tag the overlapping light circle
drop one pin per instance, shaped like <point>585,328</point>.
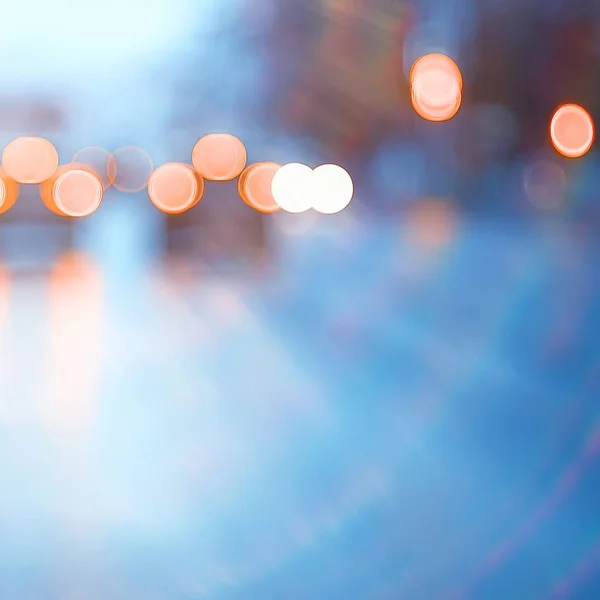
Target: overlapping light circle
<point>292,188</point>
<point>99,160</point>
<point>328,189</point>
<point>219,157</point>
<point>76,190</point>
<point>436,87</point>
<point>129,169</point>
<point>255,186</point>
<point>73,191</point>
<point>333,189</point>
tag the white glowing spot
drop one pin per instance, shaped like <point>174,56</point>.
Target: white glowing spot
<point>333,189</point>
<point>292,188</point>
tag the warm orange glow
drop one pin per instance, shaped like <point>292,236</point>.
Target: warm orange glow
<point>75,297</point>
<point>432,223</point>
<point>9,192</point>
<point>436,62</point>
<point>434,111</point>
<point>572,131</point>
<point>30,159</point>
<point>219,157</point>
<point>98,160</point>
<point>129,169</point>
<point>77,193</point>
<point>436,87</point>
<point>254,186</point>
<point>73,191</point>
<point>46,189</point>
<point>5,290</point>
<point>175,188</point>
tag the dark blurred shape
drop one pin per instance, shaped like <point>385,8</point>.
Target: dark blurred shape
<point>545,184</point>
<point>339,74</point>
<point>219,230</point>
<point>28,113</point>
<point>31,236</point>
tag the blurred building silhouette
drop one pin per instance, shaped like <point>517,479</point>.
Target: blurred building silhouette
<point>533,57</point>
<point>339,72</point>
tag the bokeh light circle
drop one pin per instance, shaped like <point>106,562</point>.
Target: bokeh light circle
<point>436,87</point>
<point>430,107</point>
<point>292,188</point>
<point>129,169</point>
<point>254,186</point>
<point>77,193</point>
<point>219,157</point>
<point>73,191</point>
<point>30,160</point>
<point>175,188</point>
<point>9,192</point>
<point>333,189</point>
<point>99,160</point>
<point>437,63</point>
<point>572,131</point>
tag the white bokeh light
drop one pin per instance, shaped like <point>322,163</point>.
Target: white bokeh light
<point>292,188</point>
<point>333,189</point>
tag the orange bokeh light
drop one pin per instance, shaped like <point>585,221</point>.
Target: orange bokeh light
<point>436,87</point>
<point>436,62</point>
<point>74,191</point>
<point>99,160</point>
<point>129,169</point>
<point>30,159</point>
<point>9,192</point>
<point>254,186</point>
<point>219,157</point>
<point>175,188</point>
<point>572,130</point>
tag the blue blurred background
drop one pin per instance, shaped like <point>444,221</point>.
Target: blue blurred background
<point>397,402</point>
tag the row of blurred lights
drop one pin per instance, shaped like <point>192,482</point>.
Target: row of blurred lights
<point>76,189</point>
<point>436,94</point>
